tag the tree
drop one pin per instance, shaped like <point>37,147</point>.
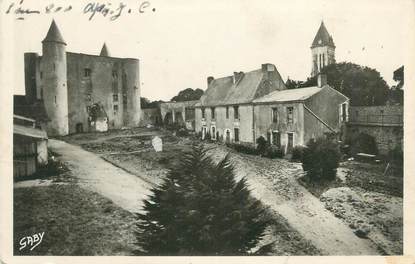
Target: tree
<point>200,209</point>
<point>146,103</point>
<point>363,85</point>
<point>188,95</point>
<point>321,159</point>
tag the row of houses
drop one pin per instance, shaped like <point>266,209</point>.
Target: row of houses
<point>245,106</point>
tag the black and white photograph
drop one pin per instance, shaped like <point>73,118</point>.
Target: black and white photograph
<point>205,128</point>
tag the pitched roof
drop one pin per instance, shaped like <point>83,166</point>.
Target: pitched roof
<point>104,51</point>
<point>226,91</point>
<point>299,94</point>
<point>322,38</point>
<point>54,35</point>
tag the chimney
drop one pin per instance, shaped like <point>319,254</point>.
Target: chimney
<point>210,80</point>
<point>321,80</point>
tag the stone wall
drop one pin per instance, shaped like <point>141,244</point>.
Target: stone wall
<point>384,123</point>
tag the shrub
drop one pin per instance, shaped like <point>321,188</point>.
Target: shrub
<point>200,209</point>
<point>182,132</point>
<point>320,159</point>
<point>243,148</point>
<point>364,143</point>
<point>262,145</point>
<point>395,156</point>
<point>273,152</point>
<point>297,153</point>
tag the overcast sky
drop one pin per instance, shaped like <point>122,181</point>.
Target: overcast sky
<point>182,42</point>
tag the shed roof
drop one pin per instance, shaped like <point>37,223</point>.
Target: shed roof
<point>29,132</point>
<point>299,94</point>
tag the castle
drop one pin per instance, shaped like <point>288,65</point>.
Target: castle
<point>82,92</point>
<point>322,50</point>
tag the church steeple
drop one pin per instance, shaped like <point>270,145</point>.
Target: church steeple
<point>322,50</point>
<point>104,51</point>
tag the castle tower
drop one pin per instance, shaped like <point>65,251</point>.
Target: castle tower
<point>322,50</point>
<point>104,51</point>
<point>54,81</point>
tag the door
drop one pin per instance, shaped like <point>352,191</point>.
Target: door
<point>290,142</point>
<point>276,139</point>
<point>236,134</point>
<point>228,136</point>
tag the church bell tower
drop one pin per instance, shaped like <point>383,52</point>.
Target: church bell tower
<point>322,50</point>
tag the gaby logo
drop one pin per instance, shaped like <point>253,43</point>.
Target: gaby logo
<point>31,241</point>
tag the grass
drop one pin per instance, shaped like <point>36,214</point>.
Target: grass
<point>76,222</point>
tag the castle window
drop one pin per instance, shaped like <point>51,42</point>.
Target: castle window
<point>212,109</point>
<point>54,67</point>
<point>87,72</point>
<point>55,99</point>
<point>236,112</point>
<point>227,112</point>
<point>124,99</point>
<point>114,74</point>
<point>115,108</point>
<point>115,97</point>
<point>203,112</point>
<point>290,111</point>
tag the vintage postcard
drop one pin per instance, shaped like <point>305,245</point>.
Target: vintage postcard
<point>246,131</point>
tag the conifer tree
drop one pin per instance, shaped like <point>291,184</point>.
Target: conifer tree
<point>200,209</point>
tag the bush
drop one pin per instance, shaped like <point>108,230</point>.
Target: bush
<point>273,152</point>
<point>243,148</point>
<point>297,153</point>
<point>182,132</point>
<point>395,156</point>
<point>320,159</point>
<point>262,145</point>
<point>364,143</point>
<point>200,209</point>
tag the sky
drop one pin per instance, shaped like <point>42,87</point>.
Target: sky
<point>180,43</point>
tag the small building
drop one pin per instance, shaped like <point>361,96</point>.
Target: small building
<point>182,113</point>
<point>29,147</point>
<point>292,117</point>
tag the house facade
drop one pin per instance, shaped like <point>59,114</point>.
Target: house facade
<point>285,117</point>
<point>225,110</point>
<point>292,117</point>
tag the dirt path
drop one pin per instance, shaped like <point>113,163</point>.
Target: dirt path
<point>273,182</point>
<point>124,189</point>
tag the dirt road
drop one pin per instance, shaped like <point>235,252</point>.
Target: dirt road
<point>95,174</point>
<point>273,182</point>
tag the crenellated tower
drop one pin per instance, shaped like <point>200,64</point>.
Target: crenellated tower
<point>54,81</point>
<point>322,50</point>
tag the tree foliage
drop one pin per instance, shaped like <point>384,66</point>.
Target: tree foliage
<point>321,159</point>
<point>200,209</point>
<point>146,103</point>
<point>188,95</point>
<point>363,85</point>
